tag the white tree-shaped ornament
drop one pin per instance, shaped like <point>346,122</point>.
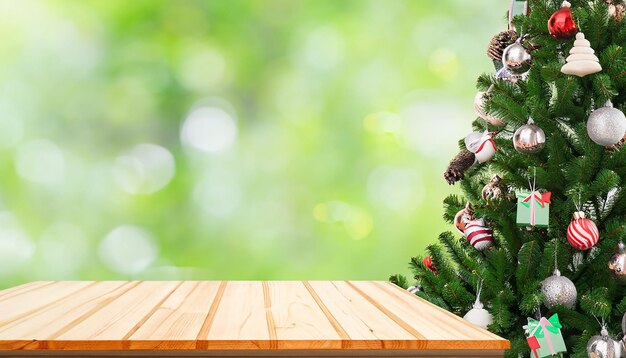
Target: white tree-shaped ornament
<point>582,60</point>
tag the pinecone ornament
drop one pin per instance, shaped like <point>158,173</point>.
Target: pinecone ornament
<point>499,42</point>
<point>458,166</point>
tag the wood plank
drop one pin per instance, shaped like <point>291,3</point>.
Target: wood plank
<point>116,319</point>
<point>180,317</point>
<point>358,317</point>
<point>298,319</point>
<point>14,291</point>
<point>241,316</point>
<point>441,331</point>
<point>32,301</point>
<point>44,325</point>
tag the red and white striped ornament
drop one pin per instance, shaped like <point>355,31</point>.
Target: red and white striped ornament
<point>582,233</point>
<point>479,235</point>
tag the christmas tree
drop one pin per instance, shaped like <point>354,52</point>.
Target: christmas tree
<point>542,178</point>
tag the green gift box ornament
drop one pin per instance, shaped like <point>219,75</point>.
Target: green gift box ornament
<point>533,208</point>
<point>544,336</point>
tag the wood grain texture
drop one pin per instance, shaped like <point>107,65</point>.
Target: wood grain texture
<point>310,317</point>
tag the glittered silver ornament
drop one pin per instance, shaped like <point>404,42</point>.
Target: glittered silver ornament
<point>479,108</point>
<point>606,125</point>
<point>617,263</point>
<point>529,138</point>
<point>558,290</point>
<point>516,58</point>
<point>494,190</point>
<point>601,346</point>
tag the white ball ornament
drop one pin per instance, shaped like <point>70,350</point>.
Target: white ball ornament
<point>482,145</point>
<point>606,125</point>
<point>478,315</point>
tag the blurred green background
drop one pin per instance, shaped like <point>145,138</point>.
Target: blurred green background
<point>226,139</point>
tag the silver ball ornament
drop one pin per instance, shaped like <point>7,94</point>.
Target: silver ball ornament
<point>529,138</point>
<point>558,290</point>
<point>601,346</point>
<point>617,264</point>
<point>516,58</point>
<point>606,125</point>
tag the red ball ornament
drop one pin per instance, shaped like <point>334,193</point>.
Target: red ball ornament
<point>582,233</point>
<point>561,25</point>
<point>428,262</point>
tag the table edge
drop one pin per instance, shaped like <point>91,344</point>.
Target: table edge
<point>124,345</point>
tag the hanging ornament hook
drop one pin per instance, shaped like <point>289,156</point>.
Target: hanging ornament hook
<point>556,261</point>
<point>517,7</point>
<point>479,287</point>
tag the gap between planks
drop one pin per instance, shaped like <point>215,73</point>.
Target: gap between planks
<point>271,325</point>
<point>333,321</point>
<point>407,327</point>
<point>45,306</point>
<point>152,311</point>
<point>208,321</point>
<point>96,308</point>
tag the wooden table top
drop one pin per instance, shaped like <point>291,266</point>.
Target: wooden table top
<point>223,315</point>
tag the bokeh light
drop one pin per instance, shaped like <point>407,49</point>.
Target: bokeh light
<point>209,129</point>
<point>144,169</point>
<point>128,250</point>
